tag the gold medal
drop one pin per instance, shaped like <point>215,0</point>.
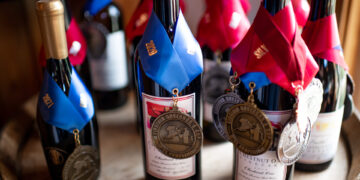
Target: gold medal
<point>176,134</point>
<point>248,127</point>
<point>83,163</point>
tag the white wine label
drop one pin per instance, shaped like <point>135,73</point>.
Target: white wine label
<point>109,72</point>
<point>324,138</point>
<point>157,164</point>
<point>214,86</point>
<point>264,166</point>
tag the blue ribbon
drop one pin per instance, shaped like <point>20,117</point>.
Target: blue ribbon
<point>65,112</point>
<point>171,65</point>
<point>94,6</point>
<point>259,78</point>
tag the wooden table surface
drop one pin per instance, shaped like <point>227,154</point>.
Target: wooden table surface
<point>121,152</point>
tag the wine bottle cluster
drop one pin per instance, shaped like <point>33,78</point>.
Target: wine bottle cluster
<point>267,87</point>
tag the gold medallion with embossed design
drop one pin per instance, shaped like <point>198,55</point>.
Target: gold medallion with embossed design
<point>176,134</point>
<point>82,164</point>
<point>248,127</point>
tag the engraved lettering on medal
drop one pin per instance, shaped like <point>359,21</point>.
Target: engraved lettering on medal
<point>151,48</point>
<point>261,51</point>
<point>47,100</point>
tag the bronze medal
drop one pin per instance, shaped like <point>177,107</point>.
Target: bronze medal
<point>176,134</point>
<point>82,164</point>
<point>249,128</point>
<point>292,142</point>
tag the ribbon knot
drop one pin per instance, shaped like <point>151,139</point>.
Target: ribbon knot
<point>277,50</point>
<point>65,112</point>
<point>172,65</point>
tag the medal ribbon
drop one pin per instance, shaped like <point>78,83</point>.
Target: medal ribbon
<point>140,18</point>
<point>94,6</point>
<point>65,112</point>
<point>323,40</point>
<point>223,24</point>
<point>275,51</point>
<point>246,6</point>
<point>172,65</point>
<point>76,45</point>
<point>301,10</point>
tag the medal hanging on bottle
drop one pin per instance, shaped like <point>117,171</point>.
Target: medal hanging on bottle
<point>296,133</point>
<point>215,80</point>
<point>175,133</point>
<point>248,127</point>
<point>83,163</point>
<point>71,113</point>
<point>223,103</point>
<point>173,65</point>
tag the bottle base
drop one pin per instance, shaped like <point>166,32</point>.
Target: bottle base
<point>312,167</point>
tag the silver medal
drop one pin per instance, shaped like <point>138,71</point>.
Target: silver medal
<point>220,109</point>
<point>309,103</point>
<point>293,142</point>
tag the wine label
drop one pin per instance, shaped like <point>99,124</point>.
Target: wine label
<point>267,165</point>
<point>324,138</point>
<point>216,80</point>
<point>157,164</point>
<point>109,71</point>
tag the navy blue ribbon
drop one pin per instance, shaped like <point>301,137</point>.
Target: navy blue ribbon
<point>94,6</point>
<point>171,65</point>
<point>65,112</point>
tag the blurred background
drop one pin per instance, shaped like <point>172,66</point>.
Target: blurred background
<point>20,73</point>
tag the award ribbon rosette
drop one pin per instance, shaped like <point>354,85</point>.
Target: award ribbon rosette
<point>70,113</point>
<point>140,18</point>
<point>65,112</point>
<point>173,66</point>
<point>302,11</point>
<point>323,40</point>
<point>223,24</point>
<point>272,51</point>
<point>76,45</point>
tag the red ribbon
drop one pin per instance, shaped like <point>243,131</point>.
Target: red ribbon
<point>76,45</point>
<point>322,38</point>
<point>301,10</point>
<point>223,24</point>
<point>246,6</point>
<point>140,18</point>
<point>273,46</point>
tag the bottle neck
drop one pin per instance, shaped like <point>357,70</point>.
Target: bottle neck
<point>67,14</point>
<point>321,8</point>
<point>274,6</point>
<point>167,11</point>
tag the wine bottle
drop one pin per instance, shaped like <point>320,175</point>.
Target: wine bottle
<point>107,53</point>
<point>277,104</point>
<point>65,112</point>
<point>77,47</point>
<point>226,19</point>
<point>326,130</point>
<point>216,81</point>
<point>155,99</point>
